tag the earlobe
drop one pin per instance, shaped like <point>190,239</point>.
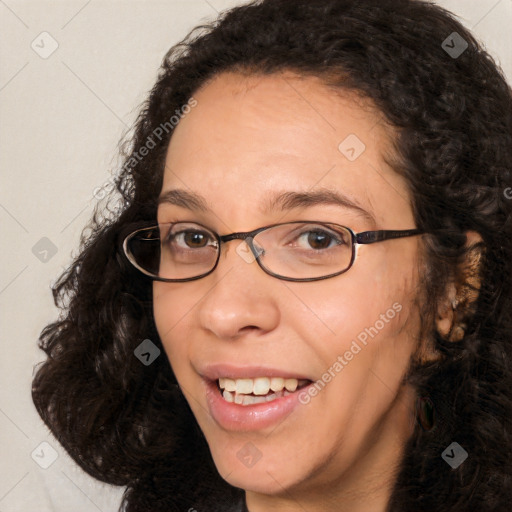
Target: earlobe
<point>445,311</point>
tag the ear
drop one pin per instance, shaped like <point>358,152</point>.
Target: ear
<point>445,311</point>
<point>461,295</point>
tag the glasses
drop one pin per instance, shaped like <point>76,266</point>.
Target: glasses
<point>293,251</point>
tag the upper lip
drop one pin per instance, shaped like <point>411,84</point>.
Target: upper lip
<point>215,371</point>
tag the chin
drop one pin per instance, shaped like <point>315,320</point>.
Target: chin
<point>260,475</point>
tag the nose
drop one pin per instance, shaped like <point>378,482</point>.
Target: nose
<point>241,297</point>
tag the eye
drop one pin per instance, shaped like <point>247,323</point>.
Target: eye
<point>192,239</point>
<point>320,238</point>
<point>189,238</point>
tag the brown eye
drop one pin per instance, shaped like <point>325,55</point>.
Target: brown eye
<point>194,238</point>
<point>182,238</point>
<point>319,239</point>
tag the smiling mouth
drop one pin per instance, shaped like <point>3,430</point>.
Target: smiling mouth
<point>258,390</point>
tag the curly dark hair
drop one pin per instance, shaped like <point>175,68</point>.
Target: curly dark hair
<point>128,424</point>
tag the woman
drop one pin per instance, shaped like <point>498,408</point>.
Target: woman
<point>304,302</point>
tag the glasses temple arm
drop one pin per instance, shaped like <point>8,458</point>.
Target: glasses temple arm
<point>370,237</point>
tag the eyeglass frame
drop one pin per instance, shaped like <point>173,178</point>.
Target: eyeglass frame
<point>362,238</point>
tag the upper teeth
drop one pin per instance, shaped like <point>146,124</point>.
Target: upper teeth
<point>260,385</point>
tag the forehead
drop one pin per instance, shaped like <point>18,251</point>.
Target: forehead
<point>249,136</point>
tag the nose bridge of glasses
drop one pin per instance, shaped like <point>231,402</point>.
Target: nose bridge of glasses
<point>248,237</point>
<point>243,235</point>
<point>235,236</point>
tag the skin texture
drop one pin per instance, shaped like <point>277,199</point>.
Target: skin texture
<point>248,136</point>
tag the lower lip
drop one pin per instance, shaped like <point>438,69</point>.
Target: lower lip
<point>231,416</point>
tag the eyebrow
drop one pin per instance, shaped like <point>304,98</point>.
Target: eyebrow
<point>275,201</point>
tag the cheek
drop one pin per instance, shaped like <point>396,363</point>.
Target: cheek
<point>370,310</point>
<point>170,319</point>
<point>354,313</point>
<point>366,353</point>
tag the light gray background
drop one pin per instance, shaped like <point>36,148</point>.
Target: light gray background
<point>61,119</point>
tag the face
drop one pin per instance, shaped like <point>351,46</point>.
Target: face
<point>349,338</point>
